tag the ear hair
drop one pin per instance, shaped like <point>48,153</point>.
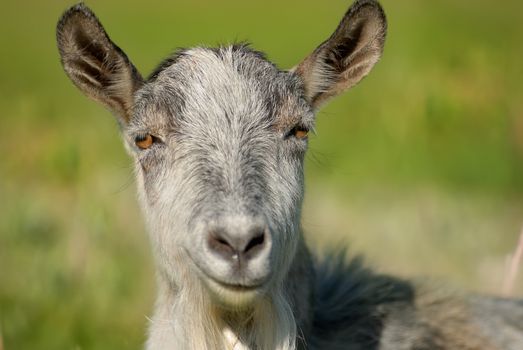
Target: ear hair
<point>348,55</point>
<point>98,67</point>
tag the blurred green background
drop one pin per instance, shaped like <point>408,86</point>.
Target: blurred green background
<point>420,167</point>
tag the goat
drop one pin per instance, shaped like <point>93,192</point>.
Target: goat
<point>218,137</point>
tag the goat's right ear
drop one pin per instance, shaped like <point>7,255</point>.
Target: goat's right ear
<point>98,67</point>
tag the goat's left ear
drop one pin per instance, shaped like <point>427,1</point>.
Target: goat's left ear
<point>347,56</point>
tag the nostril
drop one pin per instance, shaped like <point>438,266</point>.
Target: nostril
<point>220,245</point>
<point>255,243</point>
<point>222,241</point>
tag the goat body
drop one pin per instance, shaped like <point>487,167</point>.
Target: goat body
<point>218,137</point>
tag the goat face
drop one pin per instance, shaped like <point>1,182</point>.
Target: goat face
<point>222,179</point>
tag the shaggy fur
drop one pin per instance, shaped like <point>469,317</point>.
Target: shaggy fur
<point>220,181</point>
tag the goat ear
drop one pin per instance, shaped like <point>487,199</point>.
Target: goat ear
<point>347,56</point>
<point>98,67</point>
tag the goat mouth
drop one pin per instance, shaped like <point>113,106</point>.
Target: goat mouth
<point>213,281</point>
<point>232,295</point>
<point>235,287</point>
<point>239,287</point>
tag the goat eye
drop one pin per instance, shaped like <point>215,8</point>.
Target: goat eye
<point>299,132</point>
<point>144,141</point>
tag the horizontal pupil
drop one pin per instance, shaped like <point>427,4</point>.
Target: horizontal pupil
<point>300,132</point>
<point>144,141</point>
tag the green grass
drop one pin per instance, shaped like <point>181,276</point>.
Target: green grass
<point>420,167</point>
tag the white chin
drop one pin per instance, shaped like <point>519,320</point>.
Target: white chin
<point>233,297</point>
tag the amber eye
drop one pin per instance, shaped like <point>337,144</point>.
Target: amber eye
<point>144,141</point>
<point>299,132</point>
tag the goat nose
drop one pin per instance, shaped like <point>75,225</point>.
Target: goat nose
<point>238,245</point>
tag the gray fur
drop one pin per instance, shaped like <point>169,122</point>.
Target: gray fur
<point>217,135</point>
